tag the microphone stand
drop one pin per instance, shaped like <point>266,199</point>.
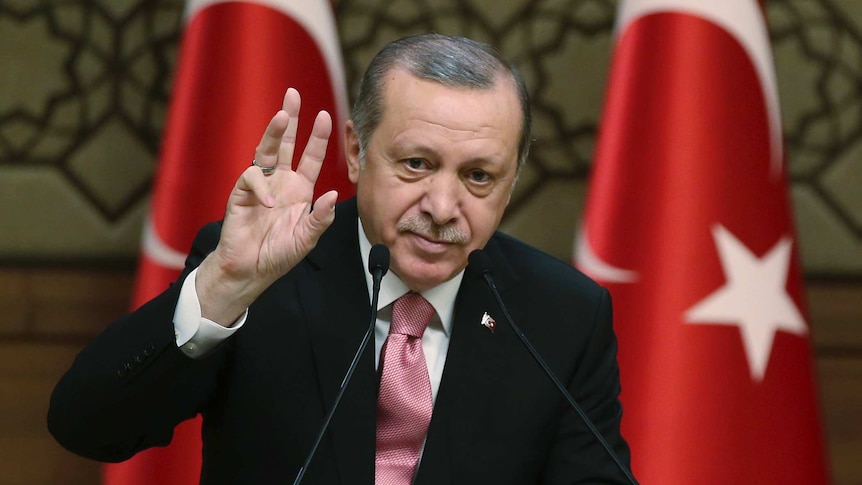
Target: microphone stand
<point>483,262</point>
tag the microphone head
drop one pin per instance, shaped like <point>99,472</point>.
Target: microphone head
<point>480,262</point>
<point>378,259</point>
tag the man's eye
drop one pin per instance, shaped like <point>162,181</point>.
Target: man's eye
<point>479,176</point>
<point>415,163</point>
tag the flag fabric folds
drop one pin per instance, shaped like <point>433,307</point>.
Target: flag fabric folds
<point>237,58</point>
<point>688,223</point>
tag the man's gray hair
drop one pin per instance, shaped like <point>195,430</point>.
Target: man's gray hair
<point>452,61</point>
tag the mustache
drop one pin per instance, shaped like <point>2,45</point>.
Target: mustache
<point>423,225</point>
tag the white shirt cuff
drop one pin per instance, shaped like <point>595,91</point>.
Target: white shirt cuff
<point>197,335</point>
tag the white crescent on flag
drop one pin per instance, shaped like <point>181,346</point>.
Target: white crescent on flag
<point>158,251</point>
<point>588,262</point>
<point>316,18</point>
<point>742,19</point>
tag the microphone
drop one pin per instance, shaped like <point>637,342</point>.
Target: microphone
<point>378,265</point>
<point>482,263</point>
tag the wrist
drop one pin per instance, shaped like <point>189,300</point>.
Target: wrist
<point>224,296</point>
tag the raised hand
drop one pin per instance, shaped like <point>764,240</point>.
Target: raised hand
<point>269,223</point>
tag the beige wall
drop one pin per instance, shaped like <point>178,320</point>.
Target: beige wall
<point>81,115</point>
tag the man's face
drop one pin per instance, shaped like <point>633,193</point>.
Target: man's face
<point>438,174</point>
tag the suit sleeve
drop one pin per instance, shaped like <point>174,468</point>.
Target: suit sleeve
<point>577,456</point>
<point>129,387</point>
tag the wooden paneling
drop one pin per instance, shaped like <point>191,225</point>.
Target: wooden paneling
<point>835,310</point>
<point>836,315</point>
<point>14,299</point>
<point>61,304</point>
<point>28,372</point>
<point>48,315</point>
<point>841,398</point>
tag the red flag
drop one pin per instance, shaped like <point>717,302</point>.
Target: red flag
<point>236,61</point>
<point>688,223</point>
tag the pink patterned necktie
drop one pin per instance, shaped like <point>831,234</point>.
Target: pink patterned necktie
<point>404,402</point>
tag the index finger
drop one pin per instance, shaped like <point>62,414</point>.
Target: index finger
<point>281,130</point>
<point>266,152</point>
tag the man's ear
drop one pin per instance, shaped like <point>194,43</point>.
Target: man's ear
<point>351,151</point>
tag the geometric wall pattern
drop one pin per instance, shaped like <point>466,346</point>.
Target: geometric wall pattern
<point>84,87</point>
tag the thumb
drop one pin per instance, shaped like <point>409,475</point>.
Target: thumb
<point>322,214</point>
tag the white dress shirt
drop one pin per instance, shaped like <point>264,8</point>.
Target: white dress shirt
<point>435,340</point>
<point>196,335</point>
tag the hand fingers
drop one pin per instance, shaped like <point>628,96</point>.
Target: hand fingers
<point>322,213</point>
<point>281,130</point>
<point>315,149</point>
<point>287,143</point>
<point>252,182</point>
<point>266,154</point>
<point>291,101</point>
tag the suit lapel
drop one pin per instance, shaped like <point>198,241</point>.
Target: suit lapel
<point>337,306</point>
<point>475,366</point>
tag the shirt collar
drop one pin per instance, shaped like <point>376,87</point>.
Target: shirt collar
<point>441,297</point>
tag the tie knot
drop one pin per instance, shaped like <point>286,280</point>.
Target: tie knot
<point>411,315</point>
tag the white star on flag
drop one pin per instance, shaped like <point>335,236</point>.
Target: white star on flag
<point>754,298</point>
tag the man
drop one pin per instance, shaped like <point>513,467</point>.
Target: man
<point>258,332</point>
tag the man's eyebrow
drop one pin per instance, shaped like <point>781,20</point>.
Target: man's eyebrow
<point>413,150</point>
<point>420,149</point>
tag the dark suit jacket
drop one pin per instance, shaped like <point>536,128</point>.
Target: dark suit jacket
<point>264,392</point>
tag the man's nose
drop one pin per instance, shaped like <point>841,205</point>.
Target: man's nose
<point>442,199</point>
